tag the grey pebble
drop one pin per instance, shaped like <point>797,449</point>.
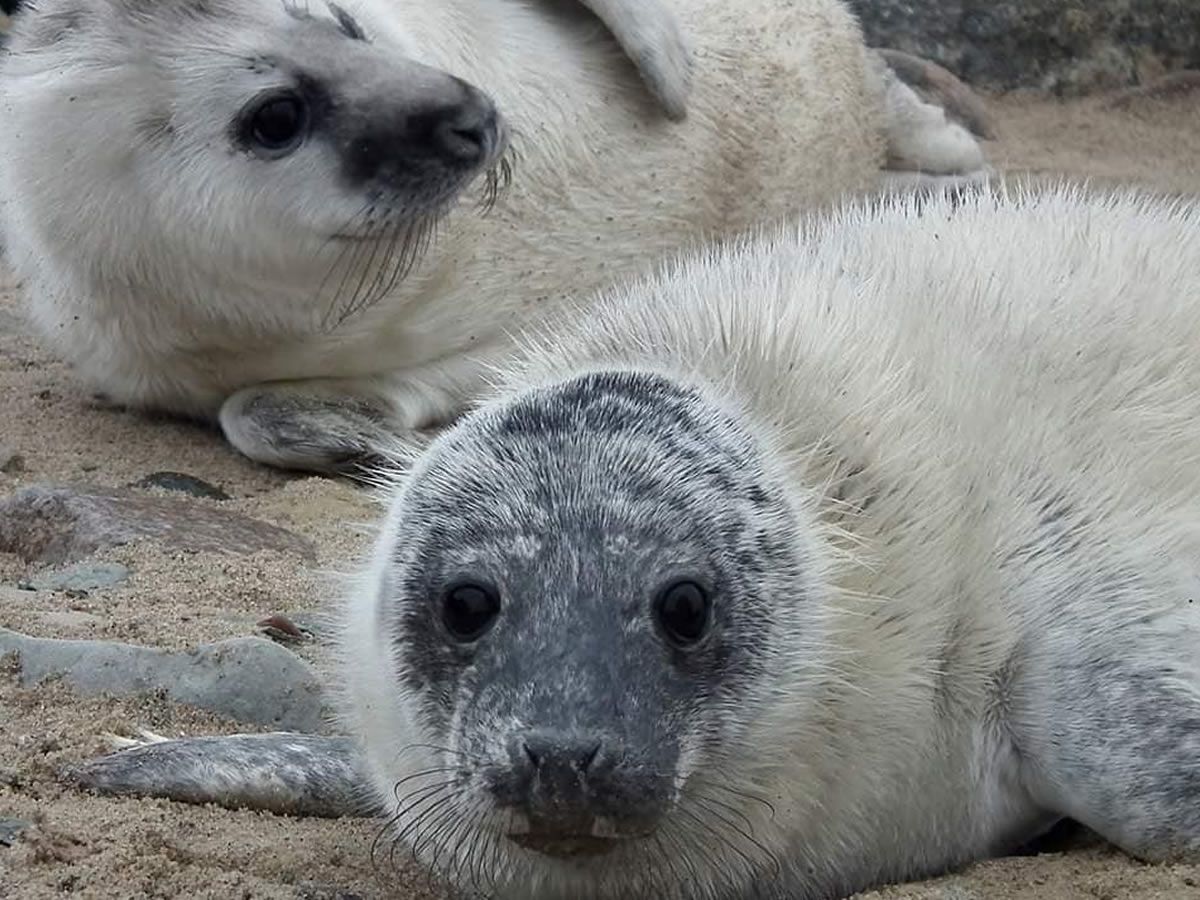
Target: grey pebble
<point>10,830</point>
<point>249,680</point>
<point>180,483</point>
<point>80,578</point>
<point>11,462</point>
<point>312,890</point>
<point>55,524</point>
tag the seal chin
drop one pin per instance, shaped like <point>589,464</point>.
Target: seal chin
<point>567,846</point>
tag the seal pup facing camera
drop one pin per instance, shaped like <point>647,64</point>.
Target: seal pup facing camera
<point>845,555</point>
<point>226,209</point>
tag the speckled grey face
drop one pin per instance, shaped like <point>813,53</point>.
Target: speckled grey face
<point>578,597</point>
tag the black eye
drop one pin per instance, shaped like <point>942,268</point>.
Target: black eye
<point>275,125</point>
<point>469,609</point>
<point>683,611</point>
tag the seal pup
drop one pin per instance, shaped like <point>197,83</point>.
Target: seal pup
<point>845,555</point>
<point>227,210</point>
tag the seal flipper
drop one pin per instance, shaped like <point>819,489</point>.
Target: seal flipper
<point>650,34</point>
<point>280,772</point>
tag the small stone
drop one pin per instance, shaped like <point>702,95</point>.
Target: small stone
<point>55,525</point>
<point>313,890</point>
<point>11,829</point>
<point>11,462</point>
<point>283,630</point>
<point>249,680</point>
<point>81,578</point>
<point>182,484</point>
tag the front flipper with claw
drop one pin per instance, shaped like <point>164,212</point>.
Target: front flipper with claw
<point>280,772</point>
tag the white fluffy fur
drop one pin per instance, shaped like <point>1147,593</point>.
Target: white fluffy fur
<point>930,376</point>
<point>176,281</point>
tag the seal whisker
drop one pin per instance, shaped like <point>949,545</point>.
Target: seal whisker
<point>745,833</point>
<point>737,792</point>
<point>367,273</point>
<point>382,277</point>
<point>460,828</point>
<point>496,181</point>
<point>439,748</point>
<point>686,845</point>
<point>436,800</point>
<point>752,867</point>
<point>408,243</point>
<point>487,862</point>
<point>497,860</point>
<point>727,807</point>
<point>403,806</point>
<point>348,247</point>
<point>424,773</point>
<point>468,834</point>
<point>432,824</point>
<point>363,250</point>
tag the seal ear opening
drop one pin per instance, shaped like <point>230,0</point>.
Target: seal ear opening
<point>8,7</point>
<point>651,36</point>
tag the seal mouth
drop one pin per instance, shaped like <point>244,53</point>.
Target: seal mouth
<point>566,846</point>
<point>496,175</point>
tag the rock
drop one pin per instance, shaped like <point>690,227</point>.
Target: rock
<point>249,680</point>
<point>1067,46</point>
<point>182,484</point>
<point>11,462</point>
<point>10,830</point>
<point>80,578</point>
<point>55,525</point>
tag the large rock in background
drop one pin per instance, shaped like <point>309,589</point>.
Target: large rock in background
<point>1066,46</point>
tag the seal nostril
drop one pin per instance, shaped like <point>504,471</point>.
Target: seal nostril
<point>589,757</point>
<point>464,137</point>
<point>531,755</point>
<point>561,755</point>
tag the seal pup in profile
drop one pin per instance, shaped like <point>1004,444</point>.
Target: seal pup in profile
<point>261,214</point>
<point>845,555</point>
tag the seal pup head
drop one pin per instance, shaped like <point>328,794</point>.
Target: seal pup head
<point>256,142</point>
<point>588,605</point>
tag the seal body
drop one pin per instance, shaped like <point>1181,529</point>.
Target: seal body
<point>847,554</point>
<point>844,555</point>
<point>246,212</point>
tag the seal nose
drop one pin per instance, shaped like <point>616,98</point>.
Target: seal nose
<point>561,757</point>
<point>567,779</point>
<point>444,138</point>
<point>465,132</point>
